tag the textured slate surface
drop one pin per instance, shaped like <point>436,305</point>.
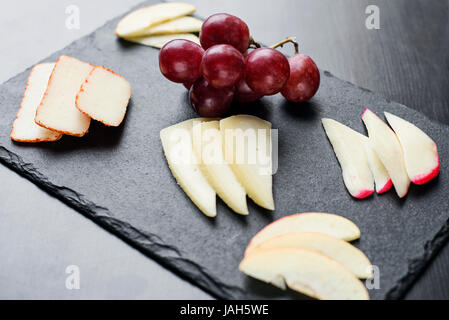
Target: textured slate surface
<point>119,177</point>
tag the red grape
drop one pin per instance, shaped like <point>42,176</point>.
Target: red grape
<point>208,101</point>
<point>187,85</point>
<point>222,65</point>
<point>266,71</point>
<point>304,79</point>
<point>180,61</point>
<point>223,28</point>
<point>243,93</point>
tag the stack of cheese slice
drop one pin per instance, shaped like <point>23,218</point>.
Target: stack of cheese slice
<point>227,157</point>
<point>309,253</point>
<point>62,98</point>
<point>390,156</point>
<point>160,23</point>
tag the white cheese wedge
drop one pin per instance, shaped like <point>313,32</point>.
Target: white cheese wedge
<point>387,146</point>
<point>348,148</point>
<point>380,174</point>
<point>162,40</point>
<point>334,248</point>
<point>327,223</point>
<point>178,149</point>
<point>57,110</point>
<point>104,96</point>
<point>24,129</point>
<point>208,146</point>
<point>304,271</point>
<point>248,150</point>
<point>138,21</point>
<point>180,25</point>
<point>420,151</point>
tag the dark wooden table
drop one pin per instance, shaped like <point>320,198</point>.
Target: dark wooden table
<point>406,60</point>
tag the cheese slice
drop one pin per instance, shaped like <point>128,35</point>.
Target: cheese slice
<point>207,143</point>
<point>104,96</point>
<point>57,110</point>
<point>24,129</point>
<point>162,40</point>
<point>180,25</point>
<point>177,145</point>
<point>138,21</point>
<point>248,150</point>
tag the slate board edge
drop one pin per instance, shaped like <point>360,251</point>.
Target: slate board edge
<point>166,255</point>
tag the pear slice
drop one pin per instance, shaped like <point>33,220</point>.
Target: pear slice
<point>334,248</point>
<point>248,150</point>
<point>24,129</point>
<point>420,151</point>
<point>327,223</point>
<point>177,145</point>
<point>380,174</point>
<point>207,143</point>
<point>354,165</point>
<point>180,25</point>
<point>305,271</point>
<point>137,22</point>
<point>57,110</point>
<point>162,40</point>
<point>387,146</point>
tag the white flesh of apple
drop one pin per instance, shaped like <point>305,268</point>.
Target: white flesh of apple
<point>104,96</point>
<point>24,129</point>
<point>248,150</point>
<point>162,40</point>
<point>334,248</point>
<point>207,143</point>
<point>380,174</point>
<point>305,271</point>
<point>349,150</point>
<point>327,223</point>
<point>180,25</point>
<point>420,151</point>
<point>387,146</point>
<point>57,110</point>
<point>138,21</point>
<point>177,145</point>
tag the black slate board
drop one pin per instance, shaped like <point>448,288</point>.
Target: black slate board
<point>119,178</point>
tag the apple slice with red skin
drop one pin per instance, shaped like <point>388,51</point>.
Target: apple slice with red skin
<point>388,148</point>
<point>380,174</point>
<point>327,223</point>
<point>348,148</point>
<point>420,151</point>
<point>305,271</point>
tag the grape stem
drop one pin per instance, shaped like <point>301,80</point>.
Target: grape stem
<point>288,40</point>
<point>253,44</point>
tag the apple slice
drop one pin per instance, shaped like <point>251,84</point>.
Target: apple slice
<point>387,146</point>
<point>138,21</point>
<point>57,110</point>
<point>327,223</point>
<point>180,25</point>
<point>24,129</point>
<point>380,174</point>
<point>334,248</point>
<point>104,96</point>
<point>348,148</point>
<point>207,143</point>
<point>305,271</point>
<point>160,41</point>
<point>420,151</point>
<point>248,150</point>
<point>177,145</point>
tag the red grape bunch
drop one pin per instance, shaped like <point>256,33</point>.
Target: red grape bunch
<point>221,70</point>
